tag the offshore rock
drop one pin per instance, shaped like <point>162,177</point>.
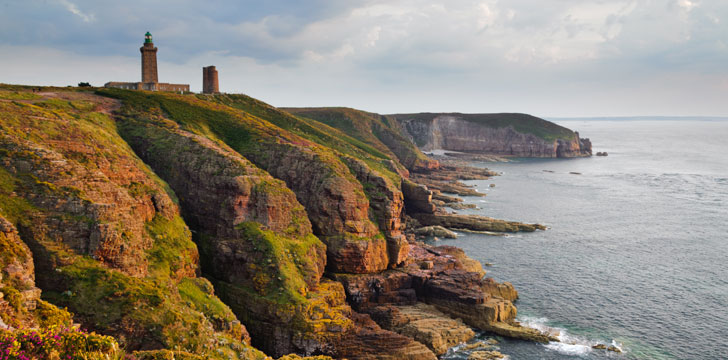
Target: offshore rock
<point>486,355</point>
<point>474,222</point>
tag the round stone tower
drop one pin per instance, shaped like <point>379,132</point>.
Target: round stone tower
<point>210,85</point>
<point>149,60</point>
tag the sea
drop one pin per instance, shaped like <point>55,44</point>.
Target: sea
<point>636,251</point>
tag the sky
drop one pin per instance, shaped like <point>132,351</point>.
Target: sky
<point>549,58</point>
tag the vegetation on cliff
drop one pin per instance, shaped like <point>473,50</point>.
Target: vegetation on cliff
<point>104,231</point>
<point>114,203</point>
<point>376,130</point>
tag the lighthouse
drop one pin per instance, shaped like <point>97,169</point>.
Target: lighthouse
<point>150,78</point>
<point>149,60</point>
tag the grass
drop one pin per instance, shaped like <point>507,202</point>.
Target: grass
<point>286,264</point>
<point>318,132</point>
<point>173,249</point>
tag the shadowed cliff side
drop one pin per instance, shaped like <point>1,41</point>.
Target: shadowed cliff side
<point>255,239</point>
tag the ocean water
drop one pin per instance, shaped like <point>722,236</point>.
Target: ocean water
<point>637,250</point>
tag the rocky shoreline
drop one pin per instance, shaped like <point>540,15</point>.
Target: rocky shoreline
<point>222,227</point>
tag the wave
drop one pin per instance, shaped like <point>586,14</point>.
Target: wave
<point>568,344</point>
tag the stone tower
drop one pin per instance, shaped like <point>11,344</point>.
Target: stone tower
<point>209,80</point>
<point>149,60</point>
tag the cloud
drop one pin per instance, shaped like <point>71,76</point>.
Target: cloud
<point>73,9</point>
<point>402,55</point>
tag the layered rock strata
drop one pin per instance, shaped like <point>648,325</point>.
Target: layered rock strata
<point>425,324</point>
<point>517,135</point>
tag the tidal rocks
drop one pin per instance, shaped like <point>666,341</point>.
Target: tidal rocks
<point>368,341</point>
<point>447,186</point>
<point>474,222</point>
<point>438,231</point>
<point>485,355</point>
<point>438,277</point>
<point>425,324</point>
<point>602,153</point>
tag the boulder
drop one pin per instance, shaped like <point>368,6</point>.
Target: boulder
<point>436,230</point>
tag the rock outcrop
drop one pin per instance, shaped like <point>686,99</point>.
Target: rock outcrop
<point>517,135</point>
<point>437,231</point>
<point>20,303</point>
<point>436,277</point>
<point>425,324</point>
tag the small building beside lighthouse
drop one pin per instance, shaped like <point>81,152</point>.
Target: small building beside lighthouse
<point>150,76</point>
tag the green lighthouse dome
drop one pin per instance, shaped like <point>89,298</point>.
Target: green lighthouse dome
<point>148,38</point>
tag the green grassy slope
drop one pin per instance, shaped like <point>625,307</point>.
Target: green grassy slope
<point>328,135</point>
<point>373,129</point>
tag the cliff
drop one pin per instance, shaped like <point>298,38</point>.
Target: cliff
<point>214,226</point>
<point>374,129</point>
<point>517,135</point>
<point>105,233</point>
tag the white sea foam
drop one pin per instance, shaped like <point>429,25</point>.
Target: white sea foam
<point>568,344</point>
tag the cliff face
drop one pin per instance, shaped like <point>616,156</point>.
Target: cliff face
<point>114,206</point>
<point>499,134</point>
<point>106,238</point>
<point>255,239</point>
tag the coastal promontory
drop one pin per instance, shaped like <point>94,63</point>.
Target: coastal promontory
<point>159,225</point>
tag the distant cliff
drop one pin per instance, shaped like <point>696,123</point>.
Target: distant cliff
<point>500,134</point>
